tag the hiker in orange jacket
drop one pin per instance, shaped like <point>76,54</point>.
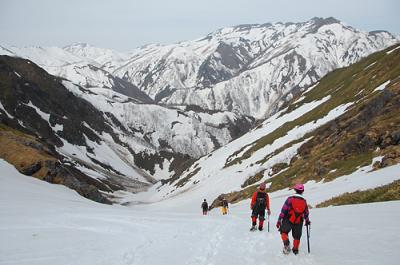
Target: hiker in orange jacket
<point>259,202</point>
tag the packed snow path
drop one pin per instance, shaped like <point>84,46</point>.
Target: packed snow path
<point>50,224</point>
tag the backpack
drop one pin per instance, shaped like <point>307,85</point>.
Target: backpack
<point>261,201</point>
<point>297,210</point>
<point>204,205</point>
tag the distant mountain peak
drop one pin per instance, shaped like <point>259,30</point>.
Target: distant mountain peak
<point>78,45</point>
<point>325,21</point>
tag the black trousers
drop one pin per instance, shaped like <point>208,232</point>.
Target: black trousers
<point>260,213</point>
<point>296,229</point>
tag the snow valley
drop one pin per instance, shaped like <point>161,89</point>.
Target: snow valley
<point>140,138</point>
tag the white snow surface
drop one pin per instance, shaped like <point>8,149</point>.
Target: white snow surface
<point>382,86</point>
<point>44,224</point>
<point>392,50</point>
<point>5,111</point>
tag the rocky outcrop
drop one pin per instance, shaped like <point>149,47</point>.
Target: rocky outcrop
<point>35,158</point>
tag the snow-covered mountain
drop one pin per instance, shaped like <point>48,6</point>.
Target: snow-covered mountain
<point>247,69</point>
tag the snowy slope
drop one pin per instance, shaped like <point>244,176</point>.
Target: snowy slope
<point>211,169</point>
<point>212,180</point>
<point>49,224</point>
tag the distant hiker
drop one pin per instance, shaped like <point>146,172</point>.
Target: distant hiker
<point>225,206</point>
<point>204,206</point>
<point>293,212</point>
<point>259,202</point>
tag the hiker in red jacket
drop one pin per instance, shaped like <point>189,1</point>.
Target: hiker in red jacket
<point>293,212</point>
<point>259,202</point>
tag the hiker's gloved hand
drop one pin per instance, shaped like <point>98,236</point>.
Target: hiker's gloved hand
<point>269,212</point>
<point>307,223</point>
<point>278,225</point>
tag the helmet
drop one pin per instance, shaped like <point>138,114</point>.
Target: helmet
<point>262,186</point>
<point>299,187</point>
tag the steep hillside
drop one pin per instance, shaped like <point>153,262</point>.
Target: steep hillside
<point>49,133</point>
<point>346,122</point>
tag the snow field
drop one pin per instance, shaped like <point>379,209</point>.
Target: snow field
<point>50,224</point>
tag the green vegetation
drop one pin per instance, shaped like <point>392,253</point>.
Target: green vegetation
<point>349,165</point>
<point>389,192</point>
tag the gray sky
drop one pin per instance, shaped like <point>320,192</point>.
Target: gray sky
<point>126,24</point>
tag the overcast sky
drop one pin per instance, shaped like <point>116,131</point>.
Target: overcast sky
<point>126,24</point>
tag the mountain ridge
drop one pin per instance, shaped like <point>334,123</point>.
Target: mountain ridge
<point>212,71</point>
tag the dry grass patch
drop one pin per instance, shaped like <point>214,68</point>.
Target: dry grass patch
<point>389,192</point>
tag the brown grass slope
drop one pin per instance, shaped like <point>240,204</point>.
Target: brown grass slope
<point>389,192</point>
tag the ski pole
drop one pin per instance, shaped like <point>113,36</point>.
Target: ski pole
<point>308,237</point>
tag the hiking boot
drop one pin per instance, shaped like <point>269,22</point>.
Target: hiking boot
<point>286,247</point>
<point>295,251</point>
<point>286,250</point>
<point>260,228</point>
<point>253,228</point>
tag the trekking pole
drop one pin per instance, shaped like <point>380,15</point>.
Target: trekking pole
<point>268,223</point>
<point>308,237</point>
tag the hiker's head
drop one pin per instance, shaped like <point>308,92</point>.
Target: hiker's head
<point>299,188</point>
<point>262,186</point>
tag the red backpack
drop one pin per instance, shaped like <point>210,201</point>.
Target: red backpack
<point>297,210</point>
